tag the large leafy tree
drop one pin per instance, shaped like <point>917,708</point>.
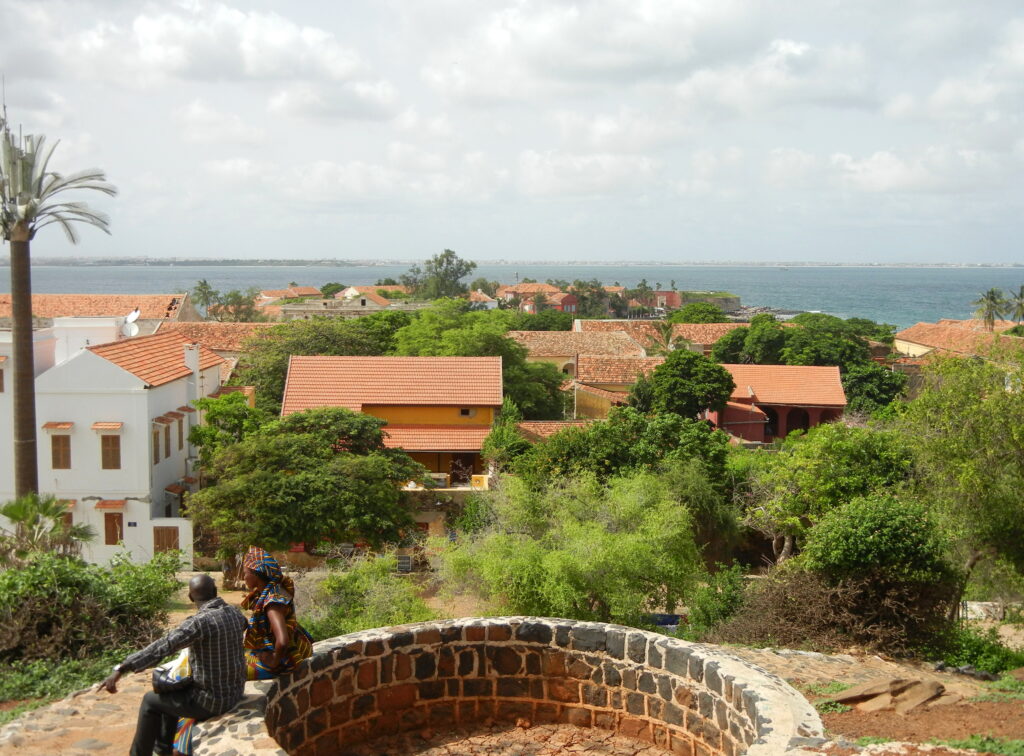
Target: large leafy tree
<point>698,312</point>
<point>687,383</point>
<point>315,475</point>
<point>31,198</point>
<point>823,339</point>
<point>440,276</point>
<point>870,387</point>
<point>991,306</point>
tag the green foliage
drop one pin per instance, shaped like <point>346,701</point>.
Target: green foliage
<point>440,276</point>
<point>687,383</point>
<point>831,707</point>
<point>581,550</point>
<point>880,537</point>
<point>545,320</point>
<point>870,387</point>
<point>59,607</point>
<point>824,340</point>
<point>869,329</point>
<point>38,525</point>
<point>698,312</point>
<point>991,305</point>
<point>728,350</point>
<point>265,364</point>
<point>987,744</point>
<point>713,602</point>
<point>490,288</point>
<point>1006,688</point>
<point>476,515</point>
<point>328,290</point>
<point>981,649</point>
<point>318,474</point>
<point>451,329</point>
<point>367,594</point>
<point>43,680</point>
<point>627,441</point>
<point>504,444</point>
<point>235,306</point>
<point>226,420</point>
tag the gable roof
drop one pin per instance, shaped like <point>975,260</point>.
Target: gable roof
<point>956,339</point>
<point>535,430</point>
<point>224,337</point>
<point>436,438</point>
<point>156,359</point>
<point>151,306</point>
<point>290,292</point>
<point>977,324</point>
<point>569,343</point>
<point>646,331</point>
<point>479,295</point>
<point>621,370</point>
<point>528,288</point>
<point>804,385</point>
<point>355,382</point>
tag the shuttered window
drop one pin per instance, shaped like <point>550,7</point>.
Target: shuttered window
<point>181,434</point>
<point>60,452</point>
<point>110,452</point>
<point>167,441</point>
<point>113,528</point>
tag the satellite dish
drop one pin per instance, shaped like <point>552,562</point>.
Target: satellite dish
<point>132,316</point>
<point>128,330</point>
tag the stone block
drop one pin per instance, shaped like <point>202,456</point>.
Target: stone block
<point>579,669</point>
<point>467,660</point>
<point>655,708</point>
<point>660,736</point>
<point>560,689</point>
<point>696,670</point>
<point>413,719</point>
<point>425,665</point>
<point>677,660</point>
<point>533,666</point>
<point>595,695</point>
<point>645,683</point>
<point>400,640</point>
<point>510,711</point>
<point>615,643</point>
<point>442,715</point>
<point>321,691</point>
<point>505,660</point>
<point>466,711</point>
<point>477,687</point>
<point>554,664</point>
<point>499,633</point>
<point>431,689</point>
<point>534,632</point>
<point>396,697</point>
<point>429,637</point>
<point>562,635</point>
<point>387,670</point>
<point>452,687</point>
<point>673,715</point>
<point>513,687</point>
<point>706,704</point>
<point>451,634</point>
<point>339,713</point>
<point>588,638</point>
<point>579,717</point>
<point>475,633</point>
<point>636,704</point>
<point>680,745</point>
<point>403,667</point>
<point>544,712</point>
<point>366,677</point>
<point>712,680</point>
<point>316,723</point>
<point>363,705</point>
<point>606,720</point>
<point>352,733</point>
<point>628,678</point>
<point>445,662</point>
<point>373,648</point>
<point>302,700</point>
<point>612,676</point>
<point>655,654</point>
<point>635,728</point>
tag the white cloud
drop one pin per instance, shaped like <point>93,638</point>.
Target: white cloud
<point>936,169</point>
<point>358,100</point>
<point>625,131</point>
<point>565,174</point>
<point>201,123</point>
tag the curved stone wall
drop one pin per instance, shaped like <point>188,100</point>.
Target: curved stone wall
<point>687,698</point>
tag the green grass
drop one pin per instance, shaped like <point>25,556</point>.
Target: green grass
<point>866,740</point>
<point>1004,689</point>
<point>826,689</point>
<point>37,683</point>
<point>999,746</point>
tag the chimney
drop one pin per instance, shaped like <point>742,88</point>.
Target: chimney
<point>194,390</point>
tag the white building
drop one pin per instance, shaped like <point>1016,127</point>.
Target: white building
<point>113,437</point>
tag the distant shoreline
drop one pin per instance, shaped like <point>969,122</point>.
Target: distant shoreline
<point>335,263</point>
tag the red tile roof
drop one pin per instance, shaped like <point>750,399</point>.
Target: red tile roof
<point>956,339</point>
<point>527,289</point>
<point>151,306</point>
<point>976,324</point>
<point>749,409</point>
<point>375,298</point>
<point>440,438</point>
<point>615,397</point>
<point>621,370</point>
<point>535,430</point>
<point>355,382</point>
<point>290,292</point>
<point>111,503</point>
<point>570,343</point>
<point>479,296</point>
<point>806,386</point>
<point>645,331</point>
<point>220,337</point>
<point>156,359</point>
<point>382,287</point>
<point>56,425</point>
<point>106,425</point>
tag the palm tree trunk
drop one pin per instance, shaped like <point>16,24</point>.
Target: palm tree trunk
<point>26,468</point>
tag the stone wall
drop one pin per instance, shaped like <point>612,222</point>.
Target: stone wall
<point>687,698</point>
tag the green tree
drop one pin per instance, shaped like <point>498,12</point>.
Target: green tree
<point>870,387</point>
<point>440,276</point>
<point>815,473</point>
<point>265,364</point>
<point>328,290</point>
<point>698,312</point>
<point>315,475</point>
<point>582,550</point>
<point>205,295</point>
<point>869,329</point>
<point>539,302</point>
<point>728,350</point>
<point>545,320</point>
<point>1015,305</point>
<point>39,525</point>
<point>226,421</point>
<point>823,340</point>
<point>504,444</point>
<point>236,306</point>
<point>490,288</point>
<point>386,282</point>
<point>991,306</point>
<point>687,383</point>
<point>31,198</point>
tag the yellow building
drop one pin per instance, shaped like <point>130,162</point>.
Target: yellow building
<point>604,382</point>
<point>562,348</point>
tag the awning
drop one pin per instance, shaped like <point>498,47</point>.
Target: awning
<point>163,419</point>
<point>436,438</point>
<point>3,359</point>
<point>189,479</point>
<point>111,503</point>
<point>58,425</point>
<point>174,488</point>
<point>107,426</point>
<point>186,409</point>
<point>69,503</point>
<point>175,415</point>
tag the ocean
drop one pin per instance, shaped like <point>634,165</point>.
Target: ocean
<point>900,295</point>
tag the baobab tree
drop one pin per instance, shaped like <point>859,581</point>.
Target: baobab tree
<point>31,198</point>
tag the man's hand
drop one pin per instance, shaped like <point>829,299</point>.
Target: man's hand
<point>110,684</point>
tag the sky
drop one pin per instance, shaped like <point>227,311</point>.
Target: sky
<point>859,131</point>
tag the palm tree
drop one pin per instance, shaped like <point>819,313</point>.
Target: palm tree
<point>30,200</point>
<point>1015,305</point>
<point>205,295</point>
<point>991,305</point>
<point>39,526</point>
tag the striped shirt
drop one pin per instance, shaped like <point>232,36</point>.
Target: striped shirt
<point>213,636</point>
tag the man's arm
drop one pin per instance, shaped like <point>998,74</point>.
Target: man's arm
<point>180,637</point>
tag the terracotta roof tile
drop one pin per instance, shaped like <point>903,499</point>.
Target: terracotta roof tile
<point>220,337</point>
<point>976,324</point>
<point>646,332</point>
<point>479,296</point>
<point>748,408</point>
<point>621,370</point>
<point>375,298</point>
<point>175,415</point>
<point>107,425</point>
<point>383,287</point>
<point>227,369</point>
<point>527,289</point>
<point>151,306</point>
<point>111,503</point>
<point>569,343</point>
<point>163,420</point>
<point>156,359</point>
<point>956,339</point>
<point>535,430</point>
<point>436,437</point>
<point>174,488</point>
<point>57,425</point>
<point>187,409</point>
<point>354,382</point>
<point>808,386</point>
<point>615,397</point>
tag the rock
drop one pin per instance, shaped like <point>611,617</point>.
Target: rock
<point>892,686</point>
<point>879,702</point>
<point>946,699</point>
<point>90,744</point>
<point>917,694</point>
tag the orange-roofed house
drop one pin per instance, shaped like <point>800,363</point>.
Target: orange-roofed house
<point>698,337</point>
<point>954,338</point>
<point>152,309</point>
<point>438,409</point>
<point>603,382</point>
<point>226,340</point>
<point>562,348</point>
<point>771,401</point>
<point>114,421</point>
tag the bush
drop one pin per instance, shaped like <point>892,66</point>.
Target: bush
<point>983,650</point>
<point>713,602</point>
<point>368,594</point>
<point>58,607</point>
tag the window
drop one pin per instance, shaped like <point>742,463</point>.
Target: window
<point>467,412</point>
<point>113,527</point>
<point>68,520</point>
<point>1,381</point>
<point>167,441</point>
<point>110,452</point>
<point>181,434</point>
<point>165,538</point>
<point>156,446</point>
<point>60,452</point>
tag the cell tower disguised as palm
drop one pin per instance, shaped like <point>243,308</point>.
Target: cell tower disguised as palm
<point>31,198</point>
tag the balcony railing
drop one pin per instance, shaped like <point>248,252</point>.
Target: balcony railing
<point>444,482</point>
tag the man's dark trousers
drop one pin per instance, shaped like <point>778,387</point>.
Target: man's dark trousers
<point>158,720</point>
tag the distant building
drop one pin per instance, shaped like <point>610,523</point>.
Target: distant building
<point>958,337</point>
<point>352,292</point>
<point>226,340</point>
<point>604,382</point>
<point>153,309</point>
<point>698,337</point>
<point>562,348</point>
<point>482,301</point>
<point>364,304</point>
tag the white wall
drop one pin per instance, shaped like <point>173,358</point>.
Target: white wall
<point>75,334</point>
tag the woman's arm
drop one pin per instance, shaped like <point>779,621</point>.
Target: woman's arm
<point>279,626</point>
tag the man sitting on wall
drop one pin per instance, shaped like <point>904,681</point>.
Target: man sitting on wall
<point>213,636</point>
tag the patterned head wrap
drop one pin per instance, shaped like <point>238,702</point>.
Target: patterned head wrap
<point>279,589</point>
<point>260,562</point>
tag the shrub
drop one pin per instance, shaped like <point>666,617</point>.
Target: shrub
<point>369,593</point>
<point>982,650</point>
<point>61,607</point>
<point>713,602</point>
